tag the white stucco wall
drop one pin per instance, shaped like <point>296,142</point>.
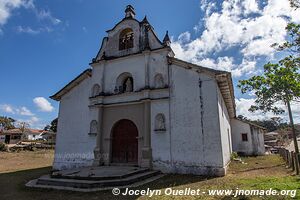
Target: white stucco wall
<point>134,66</point>
<point>225,129</point>
<point>195,141</point>
<point>160,140</point>
<point>238,127</point>
<point>74,146</point>
<point>261,143</point>
<point>255,143</point>
<point>33,137</point>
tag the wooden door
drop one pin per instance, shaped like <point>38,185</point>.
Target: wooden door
<point>125,142</point>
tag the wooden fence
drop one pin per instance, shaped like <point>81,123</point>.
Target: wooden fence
<point>291,158</point>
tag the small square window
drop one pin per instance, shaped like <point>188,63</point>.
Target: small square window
<point>244,137</point>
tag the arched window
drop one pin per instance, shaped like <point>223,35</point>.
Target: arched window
<point>159,81</point>
<point>126,39</point>
<point>160,122</point>
<point>124,83</point>
<point>93,127</point>
<point>95,90</point>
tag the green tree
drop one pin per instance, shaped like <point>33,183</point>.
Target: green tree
<point>280,82</point>
<point>53,126</point>
<point>295,3</point>
<point>6,123</point>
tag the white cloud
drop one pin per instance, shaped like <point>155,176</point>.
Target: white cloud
<point>245,25</point>
<point>46,15</point>
<point>184,37</point>
<point>15,110</point>
<point>250,6</point>
<point>222,63</point>
<point>33,122</point>
<point>7,108</point>
<point>24,111</point>
<point>22,114</point>
<point>242,106</point>
<point>43,104</point>
<point>32,31</point>
<point>246,67</point>
<point>7,6</point>
<point>29,30</point>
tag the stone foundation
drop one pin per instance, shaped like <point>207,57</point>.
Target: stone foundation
<point>174,168</point>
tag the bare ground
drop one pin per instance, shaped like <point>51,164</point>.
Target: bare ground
<point>261,172</point>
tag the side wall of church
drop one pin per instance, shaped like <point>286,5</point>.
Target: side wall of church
<point>225,129</point>
<point>193,145</point>
<point>74,144</point>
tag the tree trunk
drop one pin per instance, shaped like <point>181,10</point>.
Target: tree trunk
<point>293,127</point>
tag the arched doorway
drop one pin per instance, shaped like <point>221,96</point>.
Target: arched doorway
<point>124,142</point>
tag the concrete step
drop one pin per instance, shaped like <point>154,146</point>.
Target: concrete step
<point>33,183</point>
<point>47,180</point>
<point>98,178</point>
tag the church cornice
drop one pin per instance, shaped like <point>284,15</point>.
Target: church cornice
<point>129,102</point>
<point>108,58</point>
<point>141,95</point>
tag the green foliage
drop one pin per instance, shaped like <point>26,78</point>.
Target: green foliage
<point>280,82</point>
<point>234,155</point>
<point>53,126</point>
<point>295,3</point>
<point>3,147</point>
<point>293,44</point>
<point>6,122</point>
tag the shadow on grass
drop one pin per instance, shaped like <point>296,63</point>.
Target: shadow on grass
<point>13,187</point>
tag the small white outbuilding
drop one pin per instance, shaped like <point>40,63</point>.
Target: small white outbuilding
<point>247,138</point>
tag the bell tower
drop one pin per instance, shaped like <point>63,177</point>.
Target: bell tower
<point>129,12</point>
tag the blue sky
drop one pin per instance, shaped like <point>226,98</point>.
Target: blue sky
<point>45,44</point>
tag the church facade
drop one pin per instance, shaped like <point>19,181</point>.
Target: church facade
<point>139,105</point>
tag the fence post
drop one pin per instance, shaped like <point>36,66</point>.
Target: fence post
<point>287,158</point>
<point>293,160</point>
<point>284,154</point>
<point>298,160</point>
<point>280,152</point>
<point>297,163</point>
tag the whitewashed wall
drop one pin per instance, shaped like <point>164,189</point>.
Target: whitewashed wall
<point>135,66</point>
<point>255,143</point>
<point>74,146</point>
<point>225,129</point>
<point>238,127</point>
<point>160,140</point>
<point>195,133</point>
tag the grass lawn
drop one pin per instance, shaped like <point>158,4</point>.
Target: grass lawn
<point>262,172</point>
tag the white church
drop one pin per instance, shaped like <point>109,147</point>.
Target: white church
<point>138,105</point>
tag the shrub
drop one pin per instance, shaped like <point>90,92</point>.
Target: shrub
<point>3,147</point>
<point>233,155</point>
